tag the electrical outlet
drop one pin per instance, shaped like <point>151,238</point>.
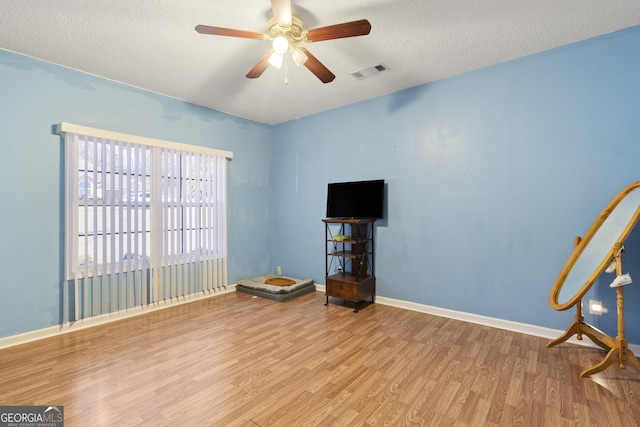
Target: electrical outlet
<point>595,307</point>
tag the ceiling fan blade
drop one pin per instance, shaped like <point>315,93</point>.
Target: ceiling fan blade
<point>339,31</point>
<point>229,32</point>
<point>282,11</point>
<point>317,68</point>
<point>259,68</point>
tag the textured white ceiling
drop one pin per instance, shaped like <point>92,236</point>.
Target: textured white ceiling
<point>152,44</point>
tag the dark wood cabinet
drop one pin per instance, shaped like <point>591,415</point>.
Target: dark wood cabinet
<point>350,260</point>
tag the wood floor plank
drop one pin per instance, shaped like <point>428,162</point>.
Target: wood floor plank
<point>234,360</point>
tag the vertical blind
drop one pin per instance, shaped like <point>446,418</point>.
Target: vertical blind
<point>145,221</point>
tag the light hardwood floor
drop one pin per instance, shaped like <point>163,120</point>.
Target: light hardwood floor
<point>234,360</point>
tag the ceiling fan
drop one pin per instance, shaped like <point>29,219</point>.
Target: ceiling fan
<point>286,32</point>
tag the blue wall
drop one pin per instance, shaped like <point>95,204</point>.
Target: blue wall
<point>35,97</point>
<point>490,176</point>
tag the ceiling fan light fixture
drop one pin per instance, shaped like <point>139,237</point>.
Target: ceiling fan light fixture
<point>276,59</point>
<point>299,57</point>
<point>280,44</point>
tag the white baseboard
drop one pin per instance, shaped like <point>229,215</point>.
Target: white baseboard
<point>26,337</point>
<point>493,322</point>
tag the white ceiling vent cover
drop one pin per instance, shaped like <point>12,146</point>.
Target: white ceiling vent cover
<point>365,73</point>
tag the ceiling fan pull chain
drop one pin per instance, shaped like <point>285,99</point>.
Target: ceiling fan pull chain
<point>286,71</point>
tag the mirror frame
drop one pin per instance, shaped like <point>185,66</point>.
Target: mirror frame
<point>582,245</point>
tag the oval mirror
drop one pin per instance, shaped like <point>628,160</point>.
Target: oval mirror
<point>594,252</point>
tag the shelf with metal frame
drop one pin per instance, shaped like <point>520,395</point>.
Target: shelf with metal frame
<point>350,260</point>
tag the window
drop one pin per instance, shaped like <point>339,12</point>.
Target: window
<point>145,220</point>
<point>84,190</point>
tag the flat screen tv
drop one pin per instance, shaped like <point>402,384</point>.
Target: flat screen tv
<point>358,199</point>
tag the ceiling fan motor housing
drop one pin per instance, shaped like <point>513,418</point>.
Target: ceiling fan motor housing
<point>294,33</point>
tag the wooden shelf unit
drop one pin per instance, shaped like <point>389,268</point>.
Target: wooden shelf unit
<point>350,262</point>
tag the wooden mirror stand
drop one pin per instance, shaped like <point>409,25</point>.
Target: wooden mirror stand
<point>602,244</point>
<point>617,349</point>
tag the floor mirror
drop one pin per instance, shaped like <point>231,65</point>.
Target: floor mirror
<point>601,247</point>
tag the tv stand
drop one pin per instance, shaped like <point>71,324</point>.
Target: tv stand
<point>349,261</point>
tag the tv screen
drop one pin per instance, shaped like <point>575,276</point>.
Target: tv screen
<point>358,199</point>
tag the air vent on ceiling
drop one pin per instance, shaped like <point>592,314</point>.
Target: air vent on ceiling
<point>369,72</point>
